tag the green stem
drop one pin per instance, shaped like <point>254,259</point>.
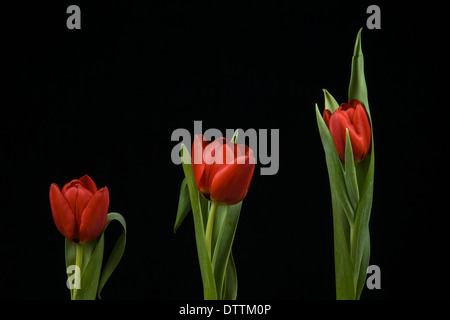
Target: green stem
<point>209,228</point>
<point>79,264</point>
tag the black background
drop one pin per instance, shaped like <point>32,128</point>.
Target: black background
<point>104,101</point>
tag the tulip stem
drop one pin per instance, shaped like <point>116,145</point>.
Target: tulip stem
<point>209,228</point>
<point>79,264</point>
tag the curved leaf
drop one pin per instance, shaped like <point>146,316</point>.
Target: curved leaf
<point>362,218</point>
<point>209,286</point>
<point>334,165</point>
<point>357,88</point>
<point>364,264</point>
<point>224,244</point>
<point>117,251</point>
<point>221,213</point>
<point>91,272</point>
<point>351,181</point>
<point>330,103</point>
<point>230,285</point>
<point>184,205</point>
<point>70,255</point>
<point>342,214</point>
<point>235,136</point>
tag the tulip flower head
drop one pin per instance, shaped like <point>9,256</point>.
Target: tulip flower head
<point>222,169</point>
<point>79,209</point>
<point>352,117</point>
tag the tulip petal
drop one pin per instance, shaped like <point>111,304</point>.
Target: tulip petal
<point>362,126</point>
<point>62,213</point>
<point>338,124</point>
<point>69,185</point>
<point>89,183</point>
<point>212,157</point>
<point>326,117</point>
<point>77,197</point>
<point>230,185</point>
<point>94,216</point>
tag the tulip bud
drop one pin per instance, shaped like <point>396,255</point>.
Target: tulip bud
<point>352,117</point>
<point>79,209</point>
<point>222,169</point>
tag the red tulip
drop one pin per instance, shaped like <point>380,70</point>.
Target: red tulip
<point>222,169</point>
<point>353,117</point>
<point>79,209</point>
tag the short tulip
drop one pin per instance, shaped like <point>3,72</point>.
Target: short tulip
<point>222,169</point>
<point>79,209</point>
<point>353,117</point>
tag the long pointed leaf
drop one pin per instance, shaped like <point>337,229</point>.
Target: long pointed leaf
<point>364,172</point>
<point>357,88</point>
<point>364,264</point>
<point>330,103</point>
<point>209,285</point>
<point>91,274</point>
<point>117,251</point>
<point>342,209</point>
<point>184,205</point>
<point>343,267</point>
<point>235,136</point>
<point>221,213</point>
<point>351,181</point>
<point>230,285</point>
<point>334,165</point>
<point>363,216</point>
<point>224,244</point>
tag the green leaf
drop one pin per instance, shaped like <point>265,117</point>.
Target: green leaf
<point>365,175</point>
<point>342,211</point>
<point>330,103</point>
<point>184,205</point>
<point>351,181</point>
<point>343,266</point>
<point>357,87</point>
<point>362,217</point>
<point>91,272</point>
<point>364,264</point>
<point>221,213</point>
<point>91,283</point>
<point>209,286</point>
<point>224,244</point>
<point>230,285</point>
<point>70,254</point>
<point>235,136</point>
<point>117,251</point>
<point>334,165</point>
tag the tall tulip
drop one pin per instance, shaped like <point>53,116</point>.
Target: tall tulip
<point>79,209</point>
<point>347,137</point>
<point>223,170</point>
<point>217,179</point>
<point>352,117</point>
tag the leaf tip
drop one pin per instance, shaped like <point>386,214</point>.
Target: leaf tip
<point>357,51</point>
